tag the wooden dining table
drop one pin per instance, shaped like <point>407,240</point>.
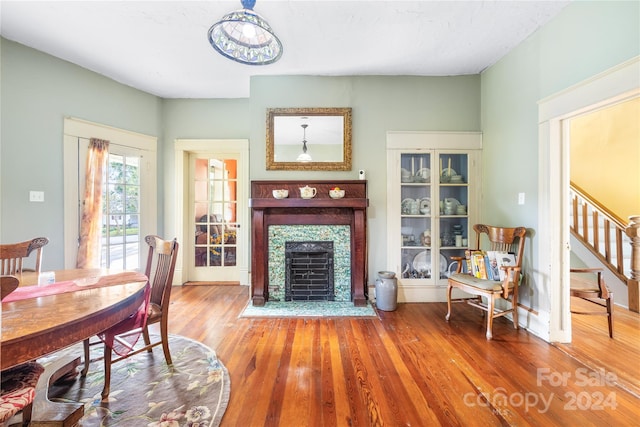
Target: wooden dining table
<point>36,326</point>
<point>82,303</point>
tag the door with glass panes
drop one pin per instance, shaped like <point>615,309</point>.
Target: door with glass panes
<point>432,204</point>
<point>122,243</point>
<point>214,213</point>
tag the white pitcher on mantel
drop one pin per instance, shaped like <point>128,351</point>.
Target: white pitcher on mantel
<point>307,192</point>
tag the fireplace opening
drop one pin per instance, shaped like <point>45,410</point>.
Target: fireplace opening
<point>309,271</point>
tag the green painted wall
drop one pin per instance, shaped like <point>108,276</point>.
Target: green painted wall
<point>585,39</point>
<point>379,104</point>
<point>37,92</point>
<point>196,119</point>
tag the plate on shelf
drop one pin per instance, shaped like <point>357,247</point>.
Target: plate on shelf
<point>448,172</point>
<point>425,206</point>
<point>422,262</point>
<point>423,175</point>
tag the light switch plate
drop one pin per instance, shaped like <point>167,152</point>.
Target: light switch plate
<point>521,198</point>
<point>36,196</point>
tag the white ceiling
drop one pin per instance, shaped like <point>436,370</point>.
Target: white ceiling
<point>161,47</point>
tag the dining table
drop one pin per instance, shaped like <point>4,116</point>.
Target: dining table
<point>38,319</point>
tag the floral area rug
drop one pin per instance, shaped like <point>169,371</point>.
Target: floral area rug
<point>147,392</point>
<point>308,309</point>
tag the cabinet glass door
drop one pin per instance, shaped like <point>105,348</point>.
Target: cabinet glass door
<point>416,215</point>
<point>453,192</point>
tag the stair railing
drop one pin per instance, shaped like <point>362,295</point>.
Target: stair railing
<point>608,237</point>
<point>633,284</point>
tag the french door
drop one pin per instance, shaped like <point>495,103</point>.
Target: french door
<point>214,214</point>
<point>129,193</point>
<point>121,244</point>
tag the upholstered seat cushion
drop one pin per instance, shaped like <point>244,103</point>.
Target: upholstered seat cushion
<point>469,280</point>
<point>18,388</point>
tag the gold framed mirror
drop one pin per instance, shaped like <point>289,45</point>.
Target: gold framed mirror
<point>316,139</point>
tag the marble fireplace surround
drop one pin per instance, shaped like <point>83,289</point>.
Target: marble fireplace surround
<point>320,210</point>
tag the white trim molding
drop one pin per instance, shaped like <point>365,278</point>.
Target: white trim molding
<point>611,87</point>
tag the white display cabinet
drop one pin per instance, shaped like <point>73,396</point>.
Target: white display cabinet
<point>433,198</point>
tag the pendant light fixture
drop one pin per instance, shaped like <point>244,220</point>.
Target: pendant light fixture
<point>245,37</point>
<point>304,156</point>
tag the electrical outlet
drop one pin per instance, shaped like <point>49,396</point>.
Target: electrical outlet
<point>36,196</point>
<point>521,198</point>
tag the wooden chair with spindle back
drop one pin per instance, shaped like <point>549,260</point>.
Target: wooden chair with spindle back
<point>161,262</point>
<point>13,256</point>
<point>493,239</point>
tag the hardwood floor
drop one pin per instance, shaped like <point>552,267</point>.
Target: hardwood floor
<point>412,368</point>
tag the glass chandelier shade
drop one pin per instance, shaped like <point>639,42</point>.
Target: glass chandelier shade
<point>245,37</point>
<point>304,156</point>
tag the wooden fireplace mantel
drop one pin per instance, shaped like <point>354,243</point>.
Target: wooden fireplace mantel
<point>321,210</point>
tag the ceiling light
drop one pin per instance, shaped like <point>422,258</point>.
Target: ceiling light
<point>304,157</point>
<point>245,37</point>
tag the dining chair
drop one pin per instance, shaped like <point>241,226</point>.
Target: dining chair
<point>13,256</point>
<point>18,384</point>
<point>588,284</point>
<point>161,262</point>
<point>8,284</point>
<point>486,291</point>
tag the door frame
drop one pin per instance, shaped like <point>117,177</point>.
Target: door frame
<point>183,149</point>
<point>615,85</point>
<point>75,128</point>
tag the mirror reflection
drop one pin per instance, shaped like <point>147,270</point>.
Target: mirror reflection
<point>309,139</point>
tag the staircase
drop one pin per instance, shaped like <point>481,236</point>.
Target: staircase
<point>605,236</point>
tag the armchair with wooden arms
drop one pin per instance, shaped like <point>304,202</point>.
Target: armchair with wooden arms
<point>494,239</point>
<point>588,284</point>
<point>13,255</point>
<point>161,262</point>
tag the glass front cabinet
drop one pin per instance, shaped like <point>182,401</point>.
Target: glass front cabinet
<point>432,204</point>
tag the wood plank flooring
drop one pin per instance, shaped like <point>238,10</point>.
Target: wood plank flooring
<point>410,367</point>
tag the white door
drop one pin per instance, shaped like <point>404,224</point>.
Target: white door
<point>214,217</point>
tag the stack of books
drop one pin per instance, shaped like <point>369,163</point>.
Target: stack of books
<point>487,264</point>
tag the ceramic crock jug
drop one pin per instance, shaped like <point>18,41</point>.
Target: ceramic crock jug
<point>307,192</point>
<point>386,291</point>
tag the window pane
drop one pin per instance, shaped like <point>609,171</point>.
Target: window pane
<point>121,234</point>
<point>230,256</point>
